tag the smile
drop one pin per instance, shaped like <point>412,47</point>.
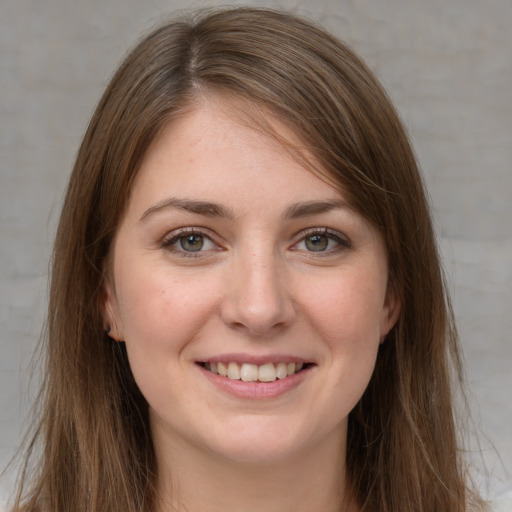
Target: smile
<point>249,372</point>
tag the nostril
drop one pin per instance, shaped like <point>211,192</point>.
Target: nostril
<point>257,305</point>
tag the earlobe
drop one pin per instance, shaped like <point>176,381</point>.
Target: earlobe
<point>109,312</point>
<point>390,312</point>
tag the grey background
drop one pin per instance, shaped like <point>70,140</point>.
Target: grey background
<point>447,64</point>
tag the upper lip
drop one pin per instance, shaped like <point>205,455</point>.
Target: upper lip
<point>254,359</point>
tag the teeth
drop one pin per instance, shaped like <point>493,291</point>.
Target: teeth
<point>248,372</point>
<point>281,371</point>
<point>223,371</point>
<point>267,373</point>
<point>233,371</point>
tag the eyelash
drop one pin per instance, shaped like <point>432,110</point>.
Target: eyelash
<point>174,237</point>
<point>341,240</point>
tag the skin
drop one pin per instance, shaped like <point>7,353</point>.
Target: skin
<point>256,289</point>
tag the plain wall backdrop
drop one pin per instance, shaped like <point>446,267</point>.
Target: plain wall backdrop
<point>447,64</point>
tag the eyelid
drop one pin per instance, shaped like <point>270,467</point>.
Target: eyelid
<point>339,237</point>
<point>173,236</point>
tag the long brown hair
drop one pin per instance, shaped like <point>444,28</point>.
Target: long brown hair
<point>96,452</point>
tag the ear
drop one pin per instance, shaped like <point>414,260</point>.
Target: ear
<point>110,312</point>
<point>390,311</point>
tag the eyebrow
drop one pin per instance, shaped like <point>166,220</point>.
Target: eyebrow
<point>307,208</point>
<point>199,207</point>
<point>208,209</point>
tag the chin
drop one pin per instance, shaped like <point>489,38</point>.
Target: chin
<point>260,444</point>
<point>257,454</point>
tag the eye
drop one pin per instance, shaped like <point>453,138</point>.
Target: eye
<point>322,241</point>
<point>187,242</point>
<point>192,243</point>
<point>317,242</point>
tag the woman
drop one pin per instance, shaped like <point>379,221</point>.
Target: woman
<point>247,309</point>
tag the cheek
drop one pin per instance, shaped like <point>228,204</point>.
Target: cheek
<point>346,313</point>
<point>158,307</point>
<point>348,309</point>
<point>161,315</point>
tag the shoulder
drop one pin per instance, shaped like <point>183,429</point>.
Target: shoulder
<point>502,503</point>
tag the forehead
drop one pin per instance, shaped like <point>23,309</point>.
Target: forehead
<point>213,149</point>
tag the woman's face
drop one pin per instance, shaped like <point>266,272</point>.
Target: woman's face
<point>232,258</point>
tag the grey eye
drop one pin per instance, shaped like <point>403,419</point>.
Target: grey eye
<point>192,243</point>
<point>316,242</point>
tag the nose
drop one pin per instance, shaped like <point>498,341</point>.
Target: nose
<point>256,297</point>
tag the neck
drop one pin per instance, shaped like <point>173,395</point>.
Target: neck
<point>202,482</point>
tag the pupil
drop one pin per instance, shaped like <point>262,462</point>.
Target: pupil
<point>317,242</point>
<point>192,243</point>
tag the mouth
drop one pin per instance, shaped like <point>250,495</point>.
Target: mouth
<point>249,372</point>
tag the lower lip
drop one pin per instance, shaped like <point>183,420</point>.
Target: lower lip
<point>256,389</point>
